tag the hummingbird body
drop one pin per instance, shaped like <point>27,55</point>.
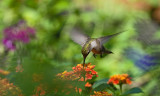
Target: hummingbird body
<point>94,45</point>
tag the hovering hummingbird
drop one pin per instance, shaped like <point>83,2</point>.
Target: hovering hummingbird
<point>88,44</point>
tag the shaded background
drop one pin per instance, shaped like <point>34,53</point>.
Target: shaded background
<point>136,51</point>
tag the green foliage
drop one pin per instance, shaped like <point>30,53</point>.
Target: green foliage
<point>132,91</point>
<point>100,85</point>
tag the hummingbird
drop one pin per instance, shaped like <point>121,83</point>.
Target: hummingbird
<point>94,45</point>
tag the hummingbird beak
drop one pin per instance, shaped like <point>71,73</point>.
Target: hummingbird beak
<point>84,58</point>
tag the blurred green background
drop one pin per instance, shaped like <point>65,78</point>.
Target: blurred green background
<point>136,51</point>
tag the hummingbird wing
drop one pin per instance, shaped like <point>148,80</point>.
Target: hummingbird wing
<point>106,38</point>
<point>79,37</point>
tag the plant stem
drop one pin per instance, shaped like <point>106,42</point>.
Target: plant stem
<point>120,85</point>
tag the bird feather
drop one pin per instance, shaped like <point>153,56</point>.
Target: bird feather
<point>79,37</point>
<point>106,38</point>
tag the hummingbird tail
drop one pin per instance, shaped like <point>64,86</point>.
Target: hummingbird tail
<point>108,52</point>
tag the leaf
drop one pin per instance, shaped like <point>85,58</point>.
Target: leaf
<point>133,91</point>
<point>100,85</point>
<point>100,82</point>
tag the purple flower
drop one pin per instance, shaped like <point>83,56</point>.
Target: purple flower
<point>142,60</point>
<point>9,44</point>
<point>17,33</point>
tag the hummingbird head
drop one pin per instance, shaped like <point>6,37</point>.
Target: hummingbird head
<point>85,52</point>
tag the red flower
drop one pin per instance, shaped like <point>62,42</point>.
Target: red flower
<point>87,69</point>
<point>89,76</point>
<point>93,72</point>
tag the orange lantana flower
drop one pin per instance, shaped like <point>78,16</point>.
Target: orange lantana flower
<point>88,84</point>
<point>9,89</point>
<point>101,93</point>
<point>120,79</point>
<point>4,72</point>
<point>78,90</point>
<point>19,68</point>
<point>79,72</point>
<point>39,90</point>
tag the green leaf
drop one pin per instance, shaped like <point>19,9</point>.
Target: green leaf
<point>133,91</point>
<point>100,82</point>
<point>100,85</point>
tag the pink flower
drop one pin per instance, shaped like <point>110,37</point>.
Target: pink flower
<point>17,33</point>
<point>9,44</point>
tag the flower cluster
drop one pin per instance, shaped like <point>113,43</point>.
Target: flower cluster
<point>19,68</point>
<point>39,90</point>
<point>101,93</point>
<point>8,89</point>
<point>68,75</point>
<point>120,79</point>
<point>84,73</point>
<point>78,90</point>
<point>4,72</point>
<point>17,33</point>
<point>87,70</point>
<point>79,72</point>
